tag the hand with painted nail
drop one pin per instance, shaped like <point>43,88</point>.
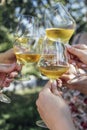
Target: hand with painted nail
<point>8,73</point>
<point>53,109</point>
<point>78,55</point>
<point>8,67</point>
<point>80,84</point>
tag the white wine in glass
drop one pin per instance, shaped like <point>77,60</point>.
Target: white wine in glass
<point>59,23</point>
<point>27,47</point>
<point>27,53</point>
<point>62,34</point>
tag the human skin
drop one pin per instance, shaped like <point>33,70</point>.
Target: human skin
<point>7,74</point>
<point>78,54</point>
<point>8,56</point>
<point>80,84</point>
<point>80,51</point>
<point>53,109</point>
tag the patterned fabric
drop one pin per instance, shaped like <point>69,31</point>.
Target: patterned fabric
<point>78,106</point>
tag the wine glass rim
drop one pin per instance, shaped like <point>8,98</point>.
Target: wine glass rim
<point>55,6</point>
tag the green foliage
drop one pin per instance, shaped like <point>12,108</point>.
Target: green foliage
<point>21,114</point>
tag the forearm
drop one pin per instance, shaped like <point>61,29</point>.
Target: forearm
<point>64,126</point>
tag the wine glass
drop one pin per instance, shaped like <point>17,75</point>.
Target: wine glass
<point>3,97</point>
<point>53,63</point>
<point>27,47</point>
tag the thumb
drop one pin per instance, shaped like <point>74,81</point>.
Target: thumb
<point>75,51</point>
<point>7,68</point>
<point>54,88</point>
<point>80,46</point>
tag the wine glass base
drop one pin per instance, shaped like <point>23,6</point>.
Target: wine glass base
<point>4,98</point>
<point>77,79</point>
<point>40,123</point>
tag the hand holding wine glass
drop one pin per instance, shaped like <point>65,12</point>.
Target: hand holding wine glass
<point>7,73</point>
<point>53,109</point>
<point>78,58</point>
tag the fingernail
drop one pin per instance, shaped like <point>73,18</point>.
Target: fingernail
<point>68,46</point>
<point>73,63</point>
<point>83,65</point>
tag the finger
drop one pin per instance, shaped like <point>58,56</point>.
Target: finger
<point>2,78</point>
<point>72,61</point>
<point>75,51</point>
<point>8,79</point>
<point>81,65</point>
<point>81,46</point>
<point>59,82</point>
<point>6,84</point>
<point>66,77</point>
<point>72,68</point>
<point>54,89</point>
<point>13,74</point>
<point>18,67</point>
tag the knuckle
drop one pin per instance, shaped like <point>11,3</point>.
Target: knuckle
<point>41,95</point>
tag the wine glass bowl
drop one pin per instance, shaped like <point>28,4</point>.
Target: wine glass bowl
<point>27,53</point>
<point>59,23</point>
<point>27,47</point>
<point>53,61</point>
<point>25,26</point>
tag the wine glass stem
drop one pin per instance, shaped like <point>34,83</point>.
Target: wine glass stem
<point>3,97</point>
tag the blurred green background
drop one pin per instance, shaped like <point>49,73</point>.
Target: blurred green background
<point>22,113</point>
